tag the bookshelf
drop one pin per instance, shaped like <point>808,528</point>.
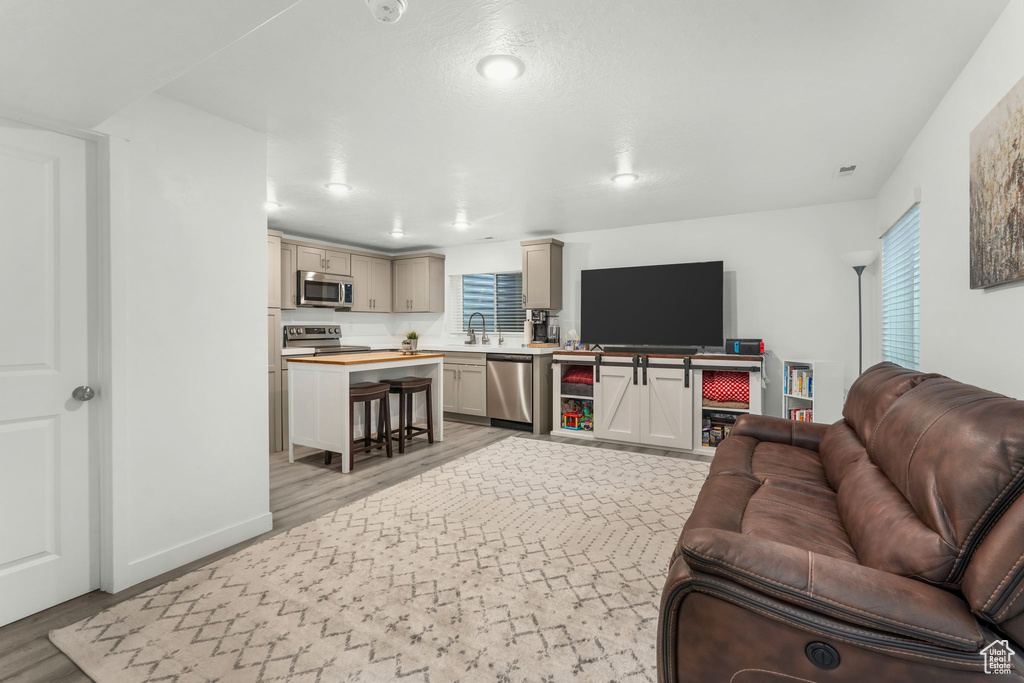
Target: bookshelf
<point>815,386</point>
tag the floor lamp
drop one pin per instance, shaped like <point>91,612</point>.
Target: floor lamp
<point>859,260</point>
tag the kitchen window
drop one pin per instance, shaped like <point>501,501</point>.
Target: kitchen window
<point>496,296</point>
<point>900,287</point>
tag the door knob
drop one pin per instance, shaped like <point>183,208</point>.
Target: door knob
<point>83,393</point>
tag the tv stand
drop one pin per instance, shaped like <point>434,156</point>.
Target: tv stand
<point>658,402</point>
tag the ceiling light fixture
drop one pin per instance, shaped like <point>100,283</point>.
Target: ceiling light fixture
<point>271,206</point>
<point>397,234</point>
<point>625,178</point>
<point>387,11</point>
<point>500,67</point>
<point>338,188</point>
<point>461,225</point>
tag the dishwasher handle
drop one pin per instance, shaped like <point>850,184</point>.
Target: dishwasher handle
<point>509,358</point>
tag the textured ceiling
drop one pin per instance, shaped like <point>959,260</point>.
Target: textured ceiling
<point>80,61</point>
<point>722,107</point>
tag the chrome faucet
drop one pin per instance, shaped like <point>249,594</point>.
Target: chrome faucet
<point>483,328</point>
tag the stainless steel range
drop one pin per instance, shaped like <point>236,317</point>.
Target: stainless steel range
<point>321,340</point>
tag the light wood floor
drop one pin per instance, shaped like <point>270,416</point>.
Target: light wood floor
<point>299,492</point>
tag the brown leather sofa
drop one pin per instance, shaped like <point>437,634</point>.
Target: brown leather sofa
<point>888,546</point>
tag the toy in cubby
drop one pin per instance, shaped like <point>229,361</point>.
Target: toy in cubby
<point>577,415</point>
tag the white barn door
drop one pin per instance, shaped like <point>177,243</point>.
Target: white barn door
<point>48,520</point>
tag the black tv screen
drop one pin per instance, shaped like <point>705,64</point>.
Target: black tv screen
<point>672,305</point>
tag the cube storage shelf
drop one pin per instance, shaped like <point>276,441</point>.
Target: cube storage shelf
<point>815,386</point>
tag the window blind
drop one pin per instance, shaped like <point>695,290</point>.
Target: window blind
<point>498,297</point>
<point>900,287</point>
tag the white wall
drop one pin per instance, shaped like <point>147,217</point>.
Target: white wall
<point>784,280</point>
<point>188,260</point>
<point>960,327</point>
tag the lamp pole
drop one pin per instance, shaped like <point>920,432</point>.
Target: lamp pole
<point>860,321</point>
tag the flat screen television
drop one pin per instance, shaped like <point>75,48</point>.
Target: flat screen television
<point>679,304</point>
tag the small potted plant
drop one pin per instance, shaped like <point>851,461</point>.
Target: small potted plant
<point>413,337</point>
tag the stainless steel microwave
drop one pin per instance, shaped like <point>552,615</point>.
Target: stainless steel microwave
<point>321,289</point>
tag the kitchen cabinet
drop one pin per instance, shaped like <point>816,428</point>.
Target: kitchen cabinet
<point>273,270</point>
<point>338,262</point>
<point>418,284</point>
<point>289,267</point>
<point>542,274</point>
<point>323,260</point>
<point>309,258</point>
<point>449,395</point>
<point>656,413</point>
<point>465,384</point>
<point>472,394</point>
<point>371,284</point>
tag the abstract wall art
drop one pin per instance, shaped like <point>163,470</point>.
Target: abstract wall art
<point>997,193</point>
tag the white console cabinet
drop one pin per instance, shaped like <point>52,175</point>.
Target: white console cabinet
<point>659,405</point>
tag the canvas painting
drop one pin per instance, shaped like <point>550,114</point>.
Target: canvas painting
<point>997,193</point>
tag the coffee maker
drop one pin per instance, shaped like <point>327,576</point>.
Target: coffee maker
<point>539,320</point>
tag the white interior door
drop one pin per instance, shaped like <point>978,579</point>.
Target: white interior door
<point>616,405</point>
<point>48,521</point>
<point>666,406</point>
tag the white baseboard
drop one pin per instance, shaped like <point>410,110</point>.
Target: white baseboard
<point>172,558</point>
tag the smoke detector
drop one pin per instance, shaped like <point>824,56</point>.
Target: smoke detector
<point>845,171</point>
<point>387,11</point>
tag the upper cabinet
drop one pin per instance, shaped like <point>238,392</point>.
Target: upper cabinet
<point>273,270</point>
<point>418,284</point>
<point>542,274</point>
<point>323,260</point>
<point>289,266</point>
<point>371,289</point>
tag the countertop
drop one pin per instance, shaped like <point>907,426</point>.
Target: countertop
<point>443,348</point>
<point>362,358</point>
<point>492,348</point>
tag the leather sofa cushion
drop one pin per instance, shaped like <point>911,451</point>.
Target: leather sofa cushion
<point>774,492</point>
<point>882,526</point>
<point>874,392</point>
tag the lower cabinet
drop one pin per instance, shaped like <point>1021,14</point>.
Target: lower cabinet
<point>656,413</point>
<point>274,392</point>
<point>465,389</point>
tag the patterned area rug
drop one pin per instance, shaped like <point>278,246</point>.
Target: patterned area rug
<point>527,560</point>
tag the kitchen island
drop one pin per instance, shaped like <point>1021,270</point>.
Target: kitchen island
<point>318,390</point>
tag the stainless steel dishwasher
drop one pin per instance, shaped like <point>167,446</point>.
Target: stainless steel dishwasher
<point>510,387</point>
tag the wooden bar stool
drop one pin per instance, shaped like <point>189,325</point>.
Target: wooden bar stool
<point>405,387</point>
<point>367,393</point>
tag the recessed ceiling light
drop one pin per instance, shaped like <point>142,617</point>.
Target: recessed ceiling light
<point>461,225</point>
<point>397,234</point>
<point>271,206</point>
<point>625,178</point>
<point>500,67</point>
<point>338,188</point>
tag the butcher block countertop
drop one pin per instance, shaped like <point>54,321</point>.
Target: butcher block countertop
<point>361,358</point>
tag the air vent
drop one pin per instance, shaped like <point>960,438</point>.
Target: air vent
<point>845,171</point>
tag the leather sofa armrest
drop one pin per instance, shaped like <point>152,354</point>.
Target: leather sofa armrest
<point>837,588</point>
<point>776,430</point>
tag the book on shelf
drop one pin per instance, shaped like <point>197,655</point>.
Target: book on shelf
<point>798,380</point>
<point>801,414</point>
